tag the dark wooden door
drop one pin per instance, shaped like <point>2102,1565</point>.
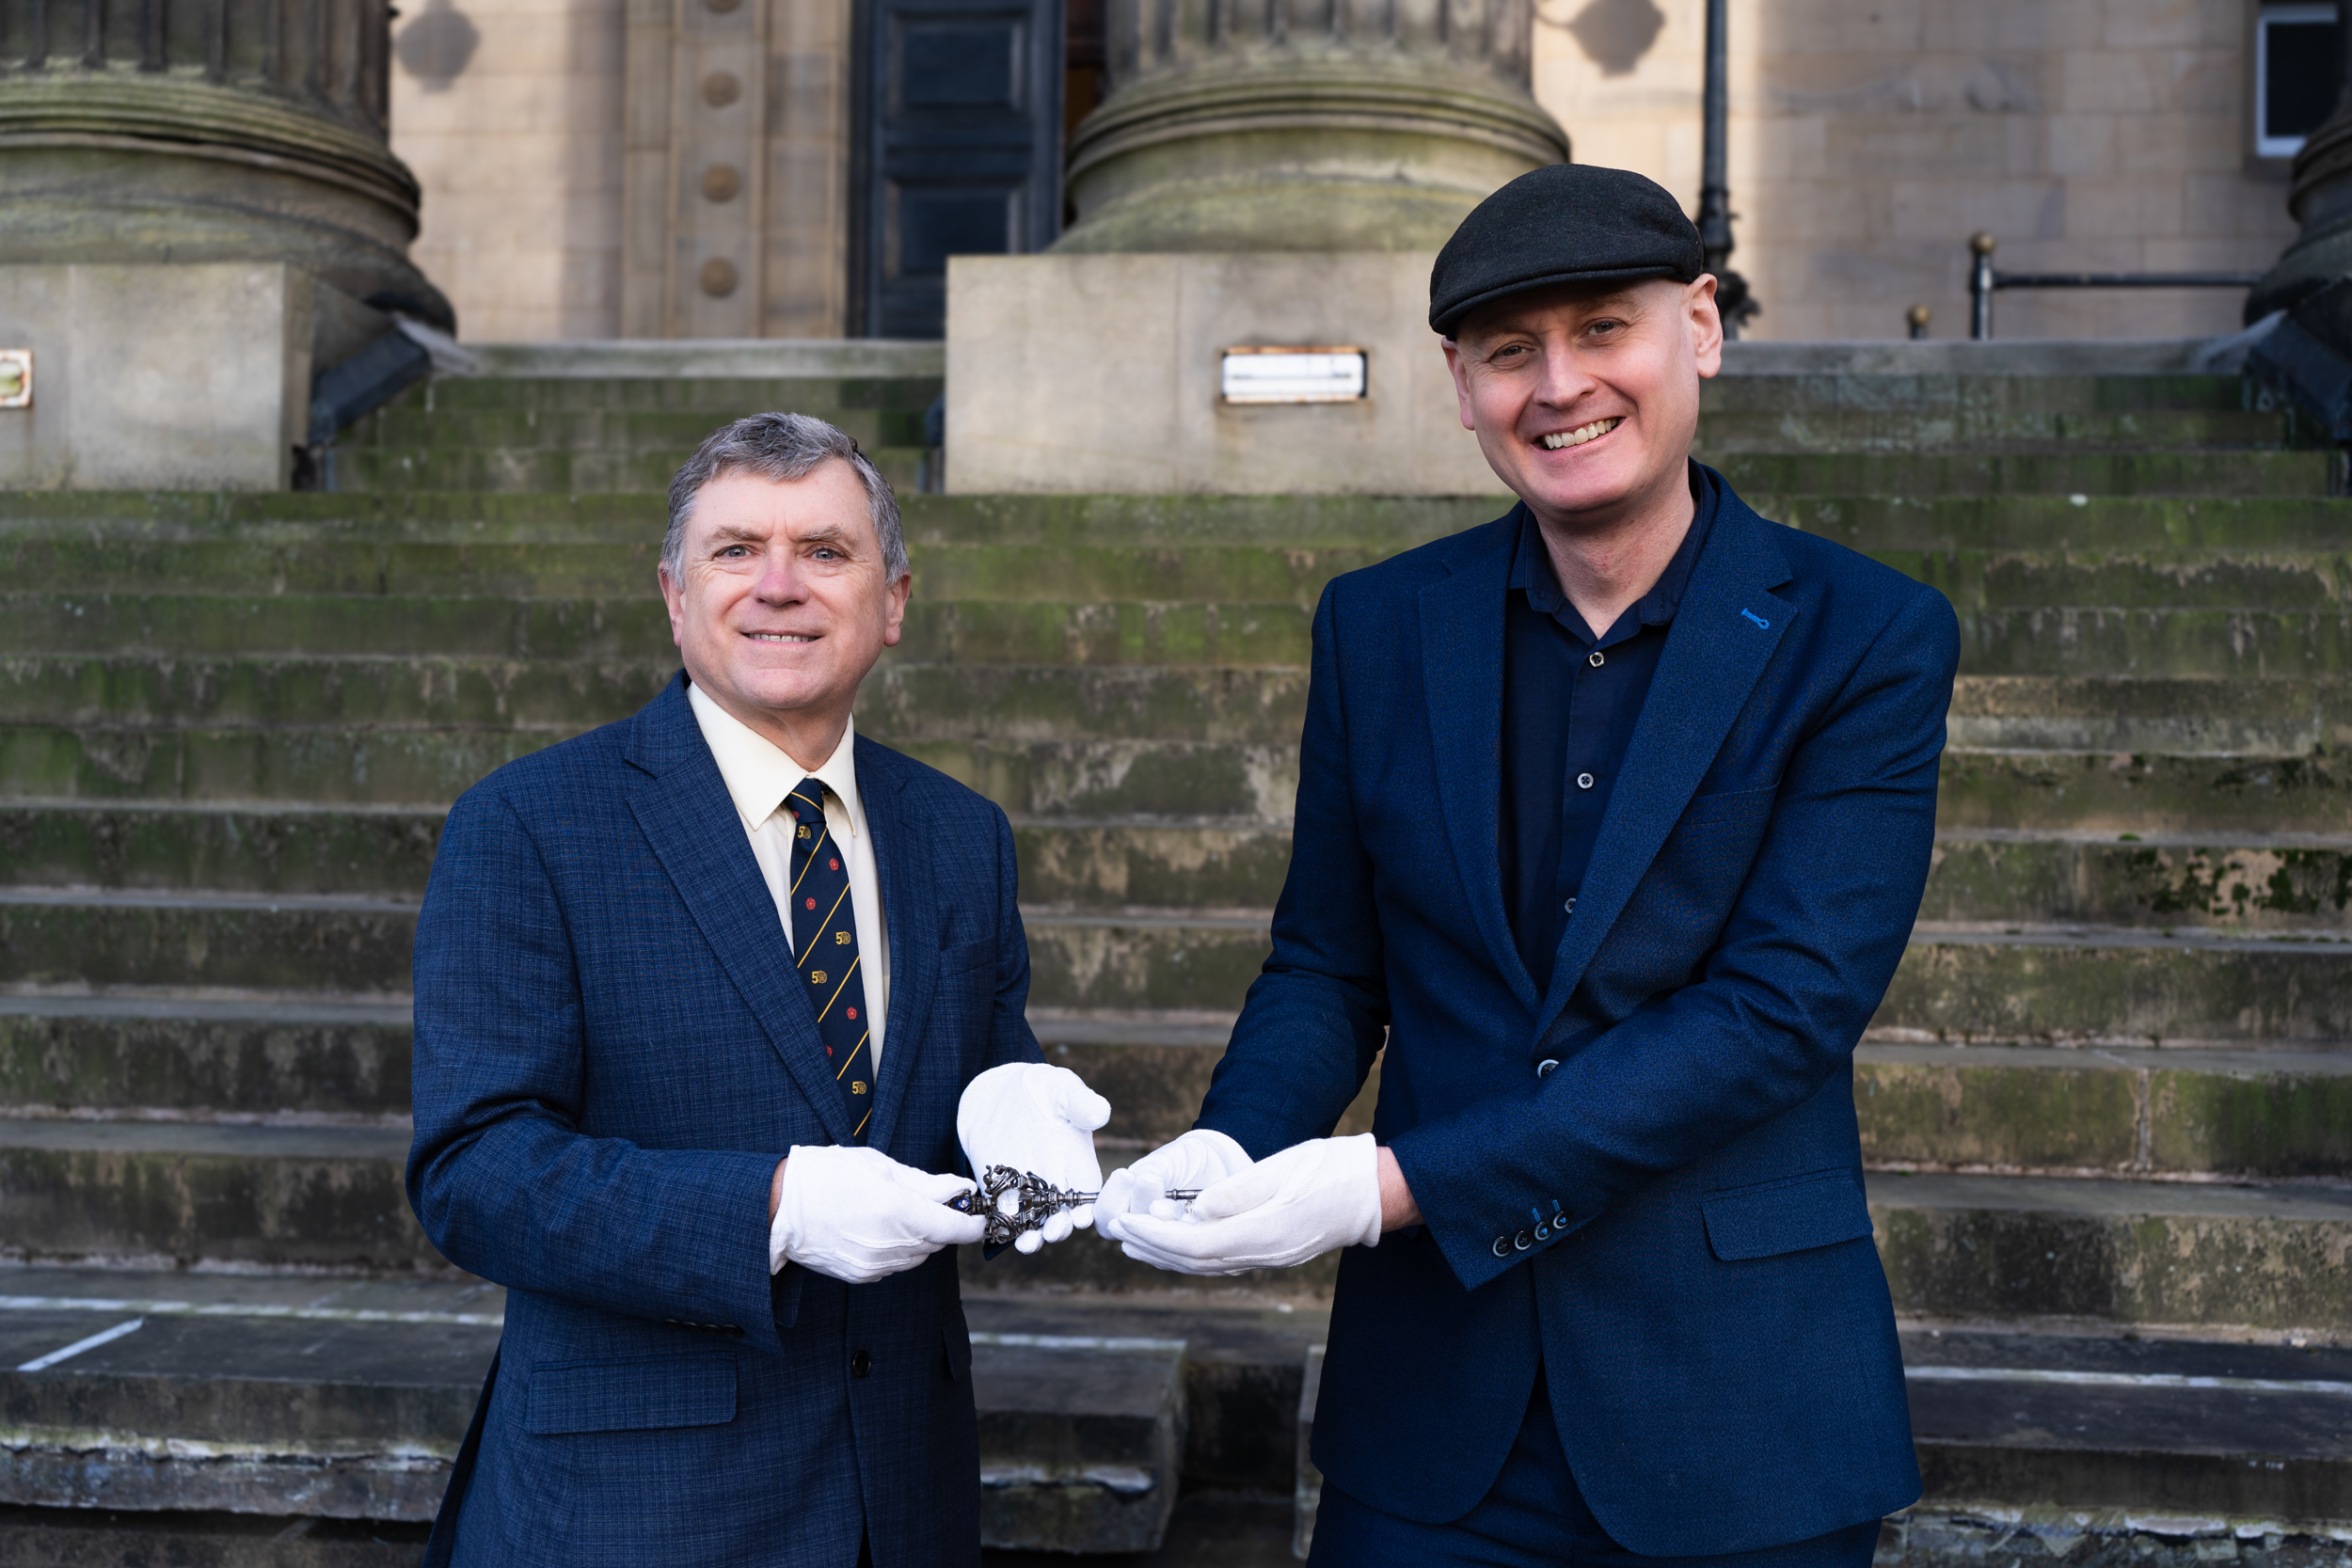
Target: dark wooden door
<point>960,148</point>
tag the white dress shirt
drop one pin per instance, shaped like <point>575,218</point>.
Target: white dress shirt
<point>758,776</point>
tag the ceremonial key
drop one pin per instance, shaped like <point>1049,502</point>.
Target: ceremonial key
<point>1015,1201</point>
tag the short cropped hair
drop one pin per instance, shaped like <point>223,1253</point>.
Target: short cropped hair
<point>781,447</point>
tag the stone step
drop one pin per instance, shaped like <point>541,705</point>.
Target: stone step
<point>2225,795</point>
<point>2189,1255</point>
<point>1970,394</point>
<point>2111,1431</point>
<point>2113,984</point>
<point>1888,522</point>
<point>348,1400</point>
<point>538,470</point>
<point>724,396</point>
<point>2275,883</point>
<point>2129,714</point>
<point>284,765</point>
<point>2115,1110</point>
<point>2036,984</point>
<point>1724,433</point>
<point>410,425</point>
<point>2266,882</point>
<point>147,1052</point>
<point>2166,473</point>
<point>310,1196</point>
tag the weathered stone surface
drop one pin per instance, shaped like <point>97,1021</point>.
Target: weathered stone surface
<point>2162,880</point>
<point>2119,986</point>
<point>2142,793</point>
<point>204,1054</point>
<point>1081,1439</point>
<point>2116,1251</point>
<point>2122,1109</point>
<point>102,1538</point>
<point>317,1196</point>
<point>304,851</point>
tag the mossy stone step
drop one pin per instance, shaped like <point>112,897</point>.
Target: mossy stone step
<point>261,1057</point>
<point>2166,473</point>
<point>183,1191</point>
<point>390,626</point>
<point>358,693</point>
<point>2120,715</point>
<point>1724,434</point>
<point>539,469</point>
<point>2185,1254</point>
<point>2143,793</point>
<point>2285,884</point>
<point>1739,390</point>
<point>1926,520</point>
<point>315,945</point>
<point>615,431</point>
<point>323,763</point>
<point>2118,986</point>
<point>2123,1110</point>
<point>724,396</point>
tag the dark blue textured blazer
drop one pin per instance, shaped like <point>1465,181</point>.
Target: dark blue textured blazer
<point>1671,1222</point>
<point>611,1057</point>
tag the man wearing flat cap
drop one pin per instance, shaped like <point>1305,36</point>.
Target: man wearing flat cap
<point>1613,817</point>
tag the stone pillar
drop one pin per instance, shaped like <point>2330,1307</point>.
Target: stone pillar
<point>2319,197</point>
<point>1326,125</point>
<point>208,131</point>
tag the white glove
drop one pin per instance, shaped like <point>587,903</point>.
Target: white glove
<point>857,1214</point>
<point>1040,1119</point>
<point>1187,1162</point>
<point>1281,1212</point>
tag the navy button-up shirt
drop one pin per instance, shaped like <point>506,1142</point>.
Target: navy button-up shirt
<point>1569,703</point>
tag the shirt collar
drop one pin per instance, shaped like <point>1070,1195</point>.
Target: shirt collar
<point>758,774</point>
<point>1532,572</point>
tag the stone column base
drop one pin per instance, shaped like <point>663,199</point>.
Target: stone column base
<point>1100,374</point>
<point>173,377</point>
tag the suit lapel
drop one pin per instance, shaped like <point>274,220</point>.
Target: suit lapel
<point>1715,651</point>
<point>1461,638</point>
<point>910,911</point>
<point>682,807</point>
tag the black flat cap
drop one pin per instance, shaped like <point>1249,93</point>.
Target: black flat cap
<point>1563,223</point>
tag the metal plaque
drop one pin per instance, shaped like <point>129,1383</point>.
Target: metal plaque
<point>16,378</point>
<point>1314,375</point>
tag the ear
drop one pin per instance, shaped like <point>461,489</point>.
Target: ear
<point>894,608</point>
<point>1705,325</point>
<point>1461,381</point>
<point>674,598</point>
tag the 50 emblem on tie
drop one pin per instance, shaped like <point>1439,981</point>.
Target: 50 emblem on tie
<point>824,917</point>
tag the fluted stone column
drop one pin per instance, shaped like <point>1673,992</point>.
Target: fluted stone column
<point>1333,125</point>
<point>180,131</point>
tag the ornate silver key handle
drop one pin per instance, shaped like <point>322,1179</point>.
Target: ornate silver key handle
<point>1015,1201</point>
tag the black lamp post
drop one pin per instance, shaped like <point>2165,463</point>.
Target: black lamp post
<point>1714,220</point>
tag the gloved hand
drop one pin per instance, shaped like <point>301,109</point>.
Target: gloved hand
<point>1281,1212</point>
<point>857,1214</point>
<point>1040,1119</point>
<point>1187,1162</point>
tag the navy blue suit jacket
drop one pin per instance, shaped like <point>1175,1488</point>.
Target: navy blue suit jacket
<point>1671,1221</point>
<point>610,1058</point>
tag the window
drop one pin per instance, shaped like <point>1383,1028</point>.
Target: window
<point>2298,71</point>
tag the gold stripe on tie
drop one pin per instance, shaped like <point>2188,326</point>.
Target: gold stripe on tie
<point>853,1050</point>
<point>839,989</point>
<point>804,957</point>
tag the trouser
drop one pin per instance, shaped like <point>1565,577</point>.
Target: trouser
<point>1534,1517</point>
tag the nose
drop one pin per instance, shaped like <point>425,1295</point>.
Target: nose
<point>779,578</point>
<point>1564,378</point>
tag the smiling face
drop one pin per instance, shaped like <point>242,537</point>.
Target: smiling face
<point>1584,397</point>
<point>782,603</point>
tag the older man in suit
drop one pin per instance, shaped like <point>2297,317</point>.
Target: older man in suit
<point>1613,817</point>
<point>704,1000</point>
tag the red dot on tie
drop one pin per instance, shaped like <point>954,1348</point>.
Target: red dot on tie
<point>853,1013</point>
<point>812,903</point>
<point>833,865</point>
<point>829,1051</point>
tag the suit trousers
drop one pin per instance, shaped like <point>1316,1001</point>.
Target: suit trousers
<point>1533,1516</point>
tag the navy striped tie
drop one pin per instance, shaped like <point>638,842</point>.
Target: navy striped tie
<point>825,943</point>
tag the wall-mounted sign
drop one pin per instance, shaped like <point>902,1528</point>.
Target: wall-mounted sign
<point>16,378</point>
<point>1320,374</point>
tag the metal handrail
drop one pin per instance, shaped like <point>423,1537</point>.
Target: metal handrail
<point>1983,281</point>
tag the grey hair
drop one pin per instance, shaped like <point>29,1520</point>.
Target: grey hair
<point>782,447</point>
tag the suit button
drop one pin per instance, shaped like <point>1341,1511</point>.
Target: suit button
<point>1543,1068</point>
<point>1584,781</point>
<point>1502,1246</point>
<point>861,1364</point>
<point>1521,1242</point>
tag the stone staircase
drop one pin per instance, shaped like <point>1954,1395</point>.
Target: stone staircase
<point>2107,1103</point>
